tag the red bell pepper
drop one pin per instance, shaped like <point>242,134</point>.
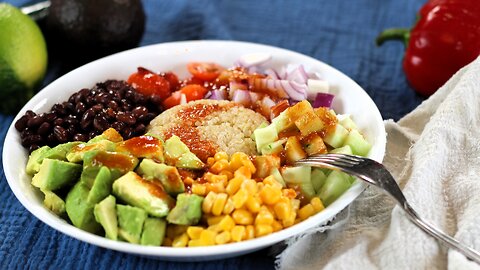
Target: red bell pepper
<point>445,38</point>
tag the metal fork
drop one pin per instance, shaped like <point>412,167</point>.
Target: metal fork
<point>376,174</point>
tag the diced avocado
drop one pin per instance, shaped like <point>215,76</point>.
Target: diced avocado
<point>264,136</point>
<point>105,213</point>
<point>55,174</point>
<point>318,179</point>
<point>139,192</point>
<point>88,175</point>
<point>187,211</point>
<point>115,161</point>
<point>143,147</point>
<point>336,136</point>
<point>130,222</point>
<point>347,122</point>
<point>79,210</point>
<point>153,232</point>
<point>102,186</point>
<point>346,149</point>
<point>265,165</point>
<point>35,160</point>
<point>301,177</point>
<point>282,122</point>
<point>293,150</point>
<point>76,153</point>
<point>168,176</point>
<point>177,154</point>
<point>336,183</point>
<point>309,123</point>
<point>53,202</point>
<point>60,151</point>
<point>314,144</point>
<point>275,147</point>
<point>109,134</point>
<point>357,142</point>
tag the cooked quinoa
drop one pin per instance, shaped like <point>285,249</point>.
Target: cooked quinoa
<point>209,126</point>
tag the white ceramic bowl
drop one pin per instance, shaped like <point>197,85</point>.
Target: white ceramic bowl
<point>350,98</point>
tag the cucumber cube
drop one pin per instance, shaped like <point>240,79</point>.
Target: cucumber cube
<point>336,136</point>
<point>357,142</point>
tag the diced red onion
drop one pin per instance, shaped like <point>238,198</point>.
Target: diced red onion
<point>283,88</point>
<point>218,95</point>
<point>323,100</point>
<point>253,59</point>
<point>241,97</point>
<point>254,96</point>
<point>234,86</point>
<point>271,73</point>
<point>298,74</point>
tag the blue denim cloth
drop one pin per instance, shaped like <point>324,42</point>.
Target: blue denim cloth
<point>340,33</point>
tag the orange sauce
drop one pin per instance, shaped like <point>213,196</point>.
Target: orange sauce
<point>203,149</point>
<point>142,146</point>
<point>114,160</point>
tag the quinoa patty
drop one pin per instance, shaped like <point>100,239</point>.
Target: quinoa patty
<point>209,126</point>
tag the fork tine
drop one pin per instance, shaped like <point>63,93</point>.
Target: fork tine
<point>338,159</point>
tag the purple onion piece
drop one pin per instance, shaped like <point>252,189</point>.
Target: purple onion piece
<point>323,100</point>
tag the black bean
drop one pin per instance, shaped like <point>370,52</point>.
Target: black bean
<point>140,129</point>
<point>126,117</point>
<point>35,121</point>
<point>30,113</point>
<point>71,120</point>
<point>139,111</point>
<point>97,108</point>
<point>118,126</point>
<point>127,132</point>
<point>110,114</point>
<point>49,117</point>
<point>60,133</point>
<point>59,109</point>
<point>100,123</point>
<point>58,122</point>
<point>80,137</point>
<point>44,128</point>
<point>112,104</point>
<point>21,123</point>
<point>33,147</point>
<point>80,108</point>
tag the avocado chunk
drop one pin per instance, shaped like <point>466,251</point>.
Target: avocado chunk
<point>153,232</point>
<point>119,163</point>
<point>60,151</point>
<point>177,154</point>
<point>53,202</point>
<point>143,147</point>
<point>187,211</point>
<point>106,214</point>
<point>168,176</point>
<point>80,210</point>
<point>109,134</point>
<point>130,222</point>
<point>54,174</point>
<point>102,186</point>
<point>35,160</point>
<point>77,152</point>
<point>148,195</point>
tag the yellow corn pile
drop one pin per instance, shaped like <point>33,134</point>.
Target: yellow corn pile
<point>237,207</point>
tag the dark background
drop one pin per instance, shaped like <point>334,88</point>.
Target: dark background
<point>340,33</point>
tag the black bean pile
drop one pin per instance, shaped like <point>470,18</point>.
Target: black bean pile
<point>89,112</point>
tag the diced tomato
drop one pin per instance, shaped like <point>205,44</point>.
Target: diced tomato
<point>204,71</point>
<point>149,83</point>
<point>191,92</point>
<point>172,79</point>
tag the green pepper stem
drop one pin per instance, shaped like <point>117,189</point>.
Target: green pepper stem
<point>402,34</point>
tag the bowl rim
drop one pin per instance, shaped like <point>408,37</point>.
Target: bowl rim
<point>191,253</point>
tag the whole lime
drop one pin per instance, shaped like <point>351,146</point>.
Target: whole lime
<point>23,58</point>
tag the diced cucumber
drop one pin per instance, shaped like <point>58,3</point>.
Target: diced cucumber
<point>336,136</point>
<point>346,149</point>
<point>262,125</point>
<point>346,121</point>
<point>274,147</point>
<point>278,176</point>
<point>282,122</point>
<point>336,183</point>
<point>264,136</point>
<point>300,176</point>
<point>318,179</point>
<point>359,145</point>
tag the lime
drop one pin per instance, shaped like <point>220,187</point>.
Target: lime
<point>23,58</point>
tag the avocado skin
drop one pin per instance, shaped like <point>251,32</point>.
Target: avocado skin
<point>89,29</point>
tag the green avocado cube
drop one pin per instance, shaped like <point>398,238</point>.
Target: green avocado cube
<point>55,174</point>
<point>105,213</point>
<point>80,210</point>
<point>153,232</point>
<point>77,152</point>
<point>130,222</point>
<point>102,186</point>
<point>187,211</point>
<point>177,154</point>
<point>35,160</point>
<point>53,202</point>
<point>168,176</point>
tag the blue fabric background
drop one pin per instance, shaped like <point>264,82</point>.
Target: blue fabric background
<point>340,33</point>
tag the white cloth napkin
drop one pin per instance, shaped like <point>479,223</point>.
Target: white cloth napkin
<point>434,154</point>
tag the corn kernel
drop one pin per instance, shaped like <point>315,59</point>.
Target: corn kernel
<point>289,193</point>
<point>306,211</point>
<point>219,203</point>
<point>207,237</point>
<point>249,232</point>
<point>227,173</point>
<point>210,161</point>
<point>188,180</point>
<point>218,187</point>
<point>264,217</point>
<point>212,220</point>
<point>249,164</point>
<point>208,202</point>
<point>253,204</point>
<point>223,238</point>
<point>229,207</point>
<point>195,243</point>
<point>270,194</point>
<point>243,172</point>
<point>226,224</point>
<point>317,204</point>
<point>167,242</point>
<point>276,226</point>
<point>240,198</point>
<point>236,160</point>
<point>193,232</point>
<point>219,166</point>
<point>238,233</point>
<point>180,241</point>
<point>270,180</point>
<point>290,220</point>
<point>251,186</point>
<point>219,178</point>
<point>199,189</point>
<point>282,210</point>
<point>242,217</point>
<point>220,155</point>
<point>263,229</point>
<point>214,228</point>
<point>233,185</point>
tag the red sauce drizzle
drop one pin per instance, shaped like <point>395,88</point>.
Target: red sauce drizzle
<point>203,149</point>
<point>142,146</point>
<point>114,160</point>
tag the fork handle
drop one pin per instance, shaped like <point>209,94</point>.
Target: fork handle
<point>441,236</point>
